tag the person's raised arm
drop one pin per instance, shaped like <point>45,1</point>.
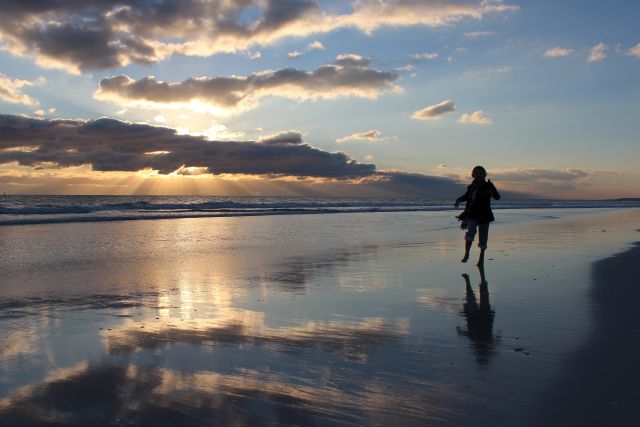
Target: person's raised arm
<point>493,190</point>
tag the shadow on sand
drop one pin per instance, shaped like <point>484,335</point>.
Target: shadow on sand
<point>600,383</point>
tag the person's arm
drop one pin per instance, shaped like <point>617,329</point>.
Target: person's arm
<point>492,190</point>
<point>461,199</point>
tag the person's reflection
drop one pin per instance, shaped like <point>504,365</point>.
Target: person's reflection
<point>479,317</point>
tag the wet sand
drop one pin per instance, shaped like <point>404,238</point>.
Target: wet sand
<point>348,319</point>
<point>599,385</point>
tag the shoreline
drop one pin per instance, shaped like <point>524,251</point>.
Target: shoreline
<point>599,385</point>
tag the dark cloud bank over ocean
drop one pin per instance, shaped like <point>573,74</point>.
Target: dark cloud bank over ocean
<point>110,145</point>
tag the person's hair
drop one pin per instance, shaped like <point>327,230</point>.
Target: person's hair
<point>478,169</point>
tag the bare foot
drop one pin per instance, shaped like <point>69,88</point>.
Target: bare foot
<point>465,259</point>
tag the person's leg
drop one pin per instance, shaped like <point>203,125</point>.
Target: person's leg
<point>468,238</point>
<point>483,237</point>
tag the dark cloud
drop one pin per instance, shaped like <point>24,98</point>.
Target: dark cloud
<point>82,35</point>
<point>543,181</point>
<point>351,60</point>
<point>109,145</point>
<point>97,34</point>
<point>349,75</point>
<point>286,137</point>
<point>112,145</point>
<point>535,175</point>
<point>417,185</point>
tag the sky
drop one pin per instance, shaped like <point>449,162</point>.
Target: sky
<point>319,98</point>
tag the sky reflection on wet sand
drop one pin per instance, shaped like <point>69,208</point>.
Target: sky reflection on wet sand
<point>361,319</point>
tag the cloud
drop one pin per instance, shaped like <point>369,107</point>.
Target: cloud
<point>369,15</point>
<point>479,34</point>
<point>11,91</point>
<point>370,136</point>
<point>534,175</point>
<point>254,55</point>
<point>351,60</point>
<point>347,76</point>
<point>434,112</point>
<point>558,52</point>
<point>291,137</point>
<point>488,6</point>
<point>104,155</point>
<point>413,184</point>
<point>315,45</point>
<point>597,53</point>
<point>80,36</point>
<point>634,51</point>
<point>112,145</point>
<point>295,54</point>
<point>426,55</point>
<point>477,118</point>
<point>541,181</point>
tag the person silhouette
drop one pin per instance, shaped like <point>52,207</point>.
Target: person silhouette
<point>477,212</point>
<point>479,317</point>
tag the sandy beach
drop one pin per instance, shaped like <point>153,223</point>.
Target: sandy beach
<point>347,319</point>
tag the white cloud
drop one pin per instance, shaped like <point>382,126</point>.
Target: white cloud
<point>254,55</point>
<point>426,55</point>
<point>476,117</point>
<point>597,53</point>
<point>368,157</point>
<point>219,132</point>
<point>634,51</point>
<point>434,112</point>
<point>295,54</point>
<point>11,91</point>
<point>370,136</point>
<point>497,6</point>
<point>478,34</point>
<point>39,112</point>
<point>406,68</point>
<point>558,52</point>
<point>315,45</point>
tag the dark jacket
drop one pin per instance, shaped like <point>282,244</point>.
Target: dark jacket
<point>479,207</point>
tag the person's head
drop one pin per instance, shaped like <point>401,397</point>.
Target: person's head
<point>479,172</point>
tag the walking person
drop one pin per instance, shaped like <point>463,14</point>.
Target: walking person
<point>477,214</point>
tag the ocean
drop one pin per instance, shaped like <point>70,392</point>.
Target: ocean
<point>23,210</point>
